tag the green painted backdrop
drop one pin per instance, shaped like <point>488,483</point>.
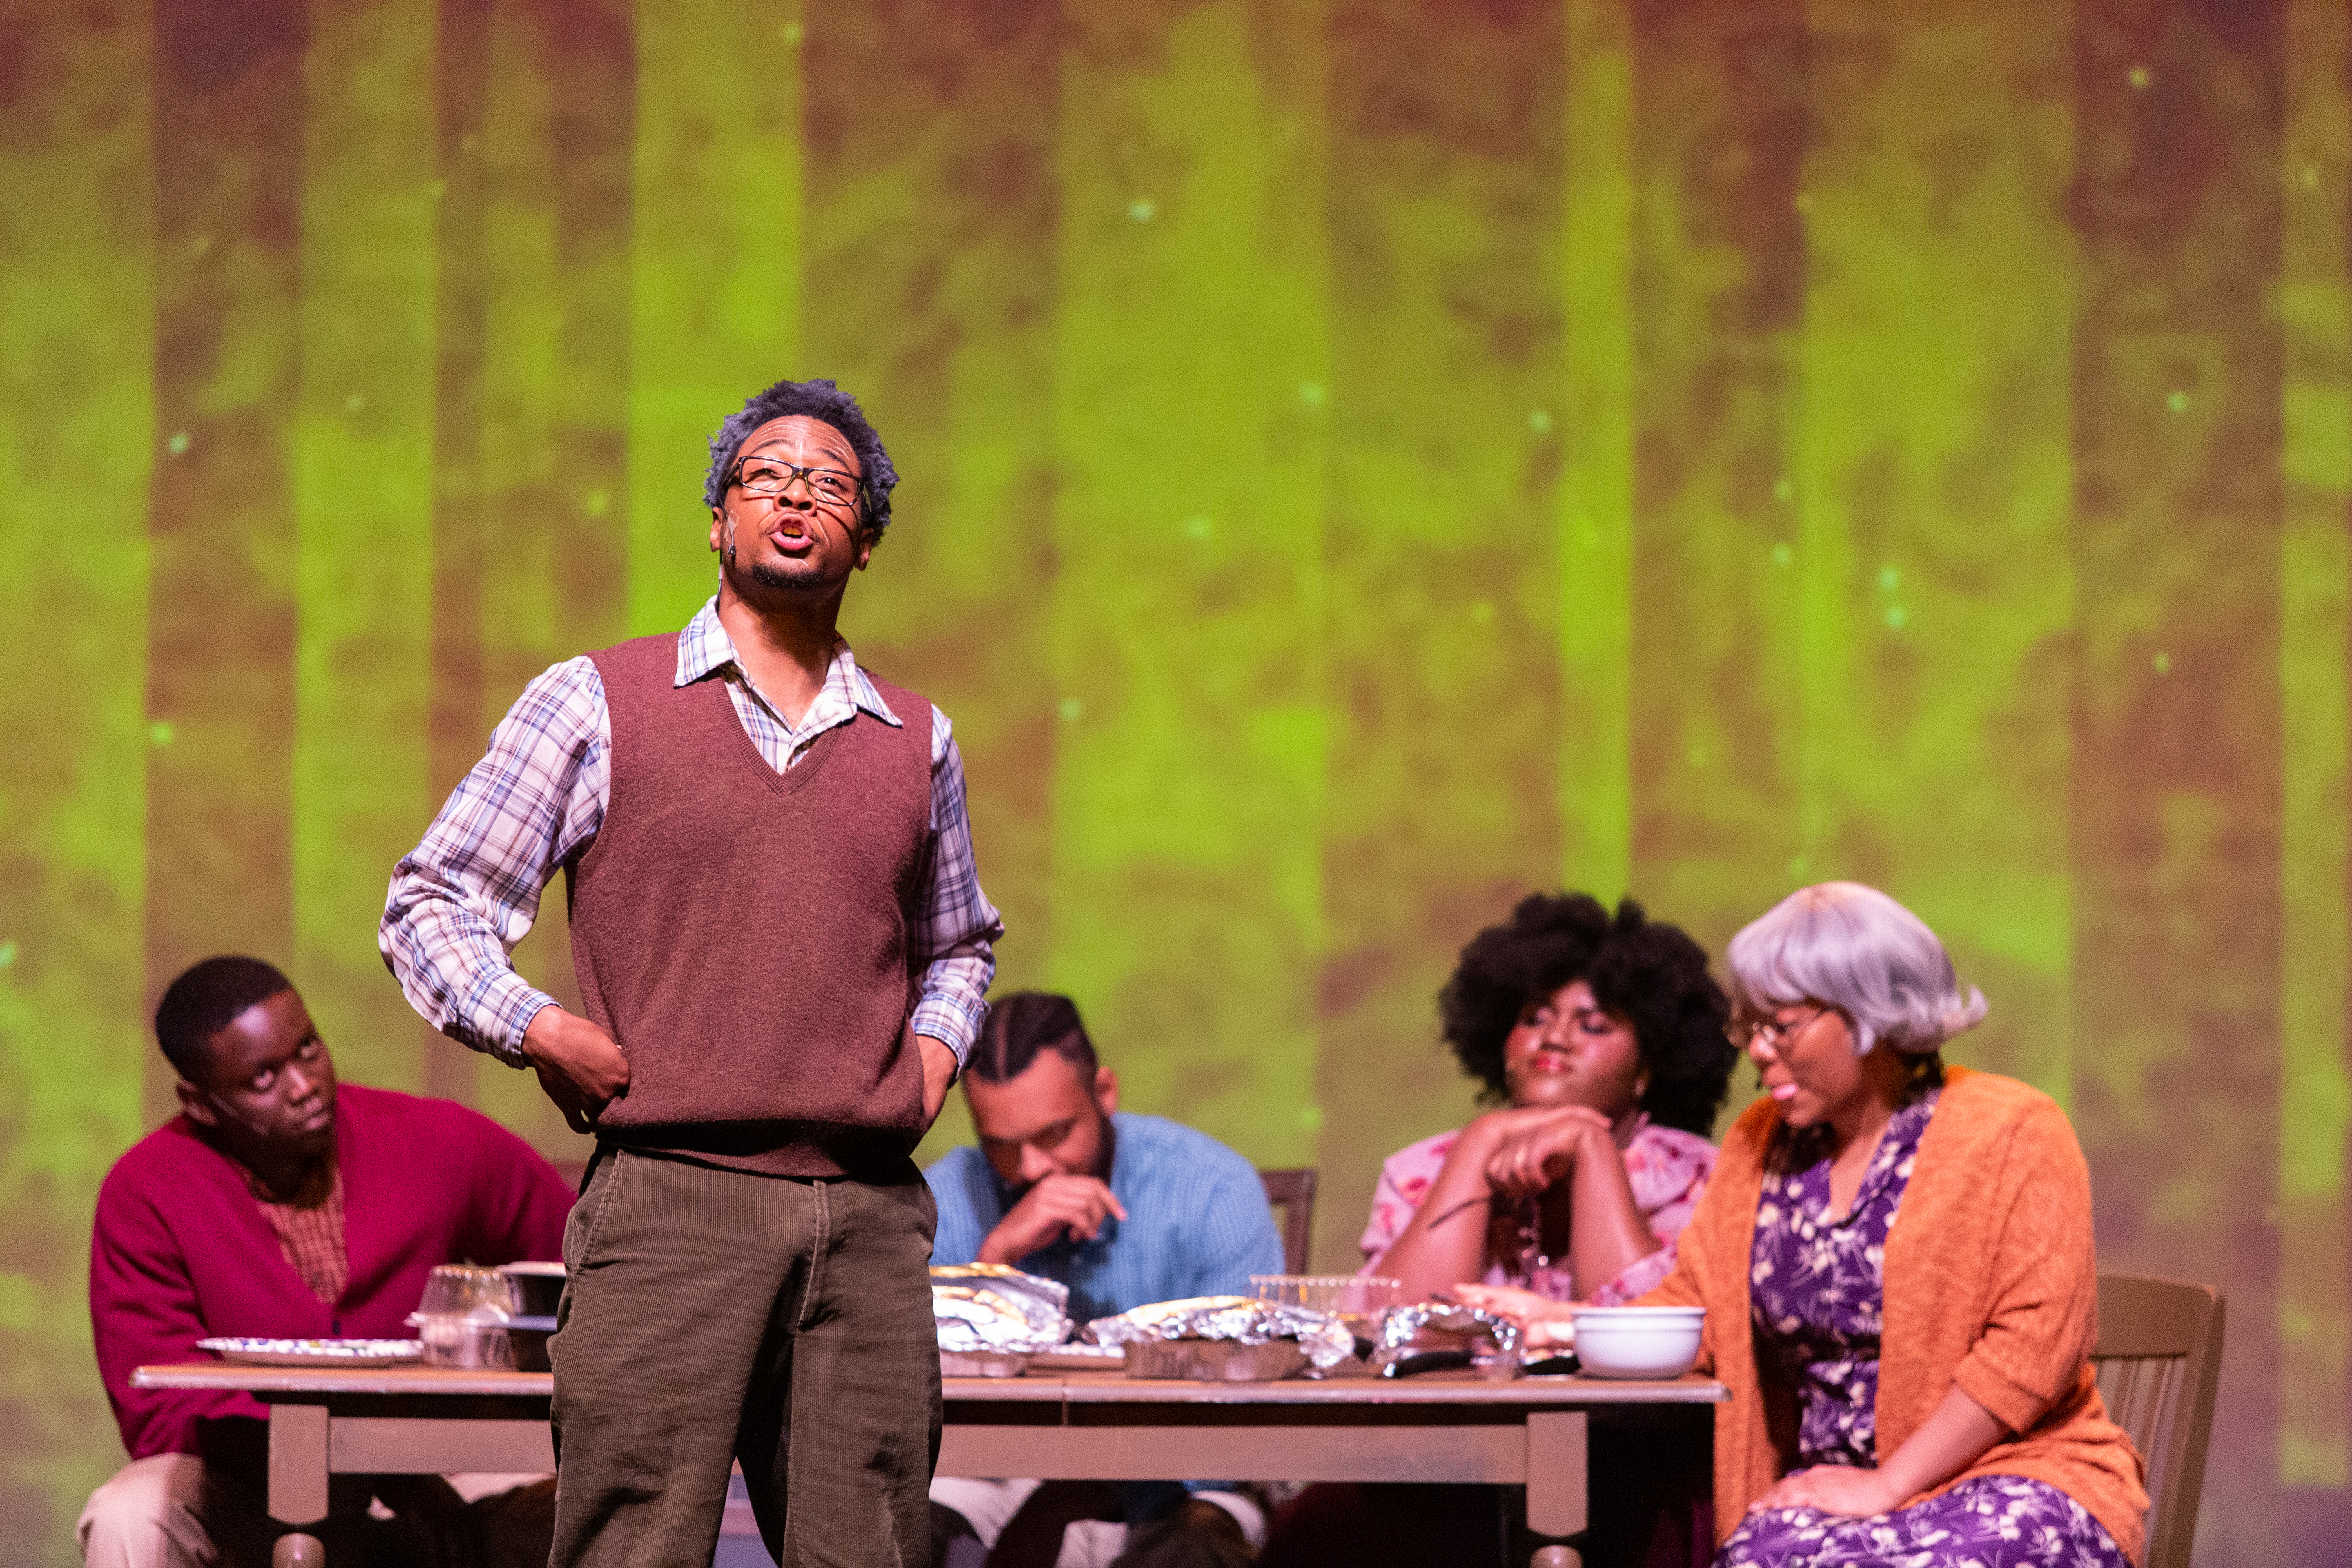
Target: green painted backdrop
<point>1366,459</point>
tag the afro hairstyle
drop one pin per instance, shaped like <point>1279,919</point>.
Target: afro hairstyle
<point>1644,970</point>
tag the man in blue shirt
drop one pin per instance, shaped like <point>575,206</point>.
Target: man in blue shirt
<point>1125,1210</point>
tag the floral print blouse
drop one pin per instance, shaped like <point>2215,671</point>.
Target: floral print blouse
<point>1816,1286</point>
<point>1666,1168</point>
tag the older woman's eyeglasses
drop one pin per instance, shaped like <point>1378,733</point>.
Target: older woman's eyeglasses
<point>773,476</point>
<point>1749,1030</point>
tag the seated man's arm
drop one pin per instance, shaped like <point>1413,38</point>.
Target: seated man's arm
<point>143,1312</point>
<point>460,901</point>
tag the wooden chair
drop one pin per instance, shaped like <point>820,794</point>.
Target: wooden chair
<point>1292,1192</point>
<point>2158,1361</point>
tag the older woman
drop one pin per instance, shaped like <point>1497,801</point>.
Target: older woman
<point>1933,1374</point>
<point>1605,1037</point>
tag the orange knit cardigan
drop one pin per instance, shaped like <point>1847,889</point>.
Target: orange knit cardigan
<point>1991,1282</point>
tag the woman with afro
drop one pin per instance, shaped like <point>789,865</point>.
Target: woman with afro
<point>1600,1040</point>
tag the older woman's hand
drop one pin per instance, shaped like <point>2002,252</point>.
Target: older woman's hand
<point>1832,1489</point>
<point>1537,1148</point>
<point>1543,1320</point>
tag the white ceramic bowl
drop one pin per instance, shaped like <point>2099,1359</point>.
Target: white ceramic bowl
<point>1637,1341</point>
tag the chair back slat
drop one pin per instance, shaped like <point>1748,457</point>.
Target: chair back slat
<point>2157,1363</point>
<point>1291,1194</point>
<point>2142,1394</point>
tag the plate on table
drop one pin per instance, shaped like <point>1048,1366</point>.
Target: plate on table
<point>316,1353</point>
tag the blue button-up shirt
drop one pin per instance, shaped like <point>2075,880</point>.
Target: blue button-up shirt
<point>1197,1221</point>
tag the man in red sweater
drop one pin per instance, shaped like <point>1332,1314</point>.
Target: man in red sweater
<point>278,1205</point>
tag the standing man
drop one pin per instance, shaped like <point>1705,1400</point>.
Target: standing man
<point>782,944</point>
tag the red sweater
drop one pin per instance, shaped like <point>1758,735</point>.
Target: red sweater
<point>181,1250</point>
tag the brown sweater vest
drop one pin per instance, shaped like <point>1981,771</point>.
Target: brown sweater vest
<point>742,932</point>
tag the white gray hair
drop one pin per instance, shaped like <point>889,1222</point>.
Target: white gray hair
<point>1859,951</point>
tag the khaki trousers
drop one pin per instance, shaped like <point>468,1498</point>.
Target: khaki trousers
<point>712,1315</point>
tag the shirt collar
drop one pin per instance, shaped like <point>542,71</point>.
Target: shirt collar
<point>704,647</point>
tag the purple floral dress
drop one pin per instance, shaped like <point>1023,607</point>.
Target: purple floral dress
<point>1817,1286</point>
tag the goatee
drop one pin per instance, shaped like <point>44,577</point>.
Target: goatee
<point>795,577</point>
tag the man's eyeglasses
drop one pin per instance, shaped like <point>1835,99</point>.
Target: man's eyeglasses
<point>1747,1030</point>
<point>773,476</point>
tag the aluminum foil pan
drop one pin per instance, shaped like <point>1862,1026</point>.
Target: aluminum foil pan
<point>986,1307</point>
<point>1402,1324</point>
<point>1215,1361</point>
<point>1326,1340</point>
<point>982,1363</point>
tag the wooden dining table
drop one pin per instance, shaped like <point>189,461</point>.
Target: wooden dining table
<point>1442,1426</point>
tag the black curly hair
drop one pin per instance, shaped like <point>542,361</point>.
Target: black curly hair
<point>205,1000</point>
<point>1644,970</point>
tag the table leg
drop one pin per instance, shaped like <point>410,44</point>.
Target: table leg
<point>298,1463</point>
<point>1556,1484</point>
<point>295,1550</point>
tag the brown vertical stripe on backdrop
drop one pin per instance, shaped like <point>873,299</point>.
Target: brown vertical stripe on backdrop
<point>1447,179</point>
<point>936,309</point>
<point>524,406</point>
<point>562,501</point>
<point>461,85</point>
<point>220,660</point>
<point>456,732</point>
<point>2175,796</point>
<point>1719,267</point>
<point>531,512</point>
<point>595,125</point>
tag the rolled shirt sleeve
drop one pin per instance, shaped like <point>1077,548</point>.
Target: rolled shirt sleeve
<point>954,931</point>
<point>465,895</point>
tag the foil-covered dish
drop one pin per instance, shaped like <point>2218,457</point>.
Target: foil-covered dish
<point>986,1307</point>
<point>1215,1361</point>
<point>1322,1337</point>
<point>983,1363</point>
<point>1401,1326</point>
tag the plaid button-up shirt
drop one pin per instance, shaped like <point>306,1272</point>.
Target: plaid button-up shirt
<point>311,1240</point>
<point>462,898</point>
